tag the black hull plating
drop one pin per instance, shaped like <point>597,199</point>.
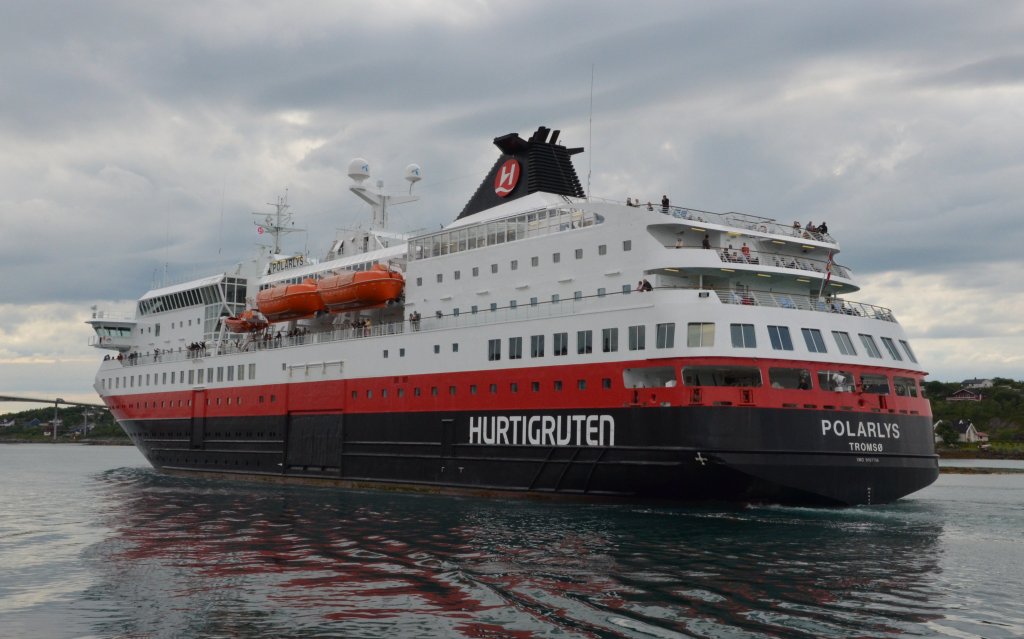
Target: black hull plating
<point>687,454</point>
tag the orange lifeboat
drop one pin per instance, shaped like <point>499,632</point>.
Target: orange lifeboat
<point>284,302</point>
<point>354,290</point>
<point>247,321</point>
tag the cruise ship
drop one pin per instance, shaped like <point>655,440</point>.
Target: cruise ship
<point>543,343</point>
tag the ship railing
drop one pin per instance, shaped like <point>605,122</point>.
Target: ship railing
<point>780,260</point>
<point>805,303</point>
<point>116,316</point>
<point>744,221</point>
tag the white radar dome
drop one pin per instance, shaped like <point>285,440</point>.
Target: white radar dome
<point>412,173</point>
<point>359,170</point>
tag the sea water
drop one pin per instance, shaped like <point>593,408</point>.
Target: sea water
<point>94,543</point>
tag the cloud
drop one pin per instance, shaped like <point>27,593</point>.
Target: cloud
<point>138,139</point>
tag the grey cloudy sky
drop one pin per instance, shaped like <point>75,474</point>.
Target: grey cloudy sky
<point>136,138</point>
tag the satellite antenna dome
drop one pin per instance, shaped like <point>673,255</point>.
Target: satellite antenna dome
<point>358,170</point>
<point>413,174</point>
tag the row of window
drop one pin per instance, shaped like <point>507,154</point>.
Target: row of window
<point>191,376</point>
<point>513,265</point>
<point>698,334</point>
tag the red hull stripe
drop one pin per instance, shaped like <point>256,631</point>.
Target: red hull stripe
<point>594,386</point>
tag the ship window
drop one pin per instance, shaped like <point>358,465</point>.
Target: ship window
<point>494,306</point>
<point>554,298</point>
<point>199,379</point>
<point>457,275</point>
<point>637,338</point>
<point>494,268</point>
<point>626,288</point>
<point>838,381</point>
<point>231,373</point>
<point>891,347</point>
<point>369,393</point>
<point>779,336</point>
<point>513,265</point>
<point>533,301</point>
<point>273,398</point>
<point>476,271</point>
<point>813,339</point>
<point>870,346</point>
<point>385,353</point>
<point>355,395</point>
<point>515,348</point>
<point>220,373</point>
<point>627,245</point>
<point>472,389</point>
<point>535,387</point>
<point>557,385</point>
<point>401,352</point>
<point>513,387</point>
<point>904,386</point>
<point>451,390</point>
<point>241,372</point>
<point>473,309</point>
<point>743,336</point>
<point>513,304</point>
<point>416,391</point>
<point>455,347</point>
<point>534,261</point>
<point>455,311</point>
<point>383,392</point>
<point>791,378</point>
<point>906,348</point>
<point>577,295</point>
<point>561,344</point>
<point>579,254</point>
<point>493,389</point>
<point>746,376</point>
<point>419,281</point>
<point>190,375</point>
<point>844,342</point>
<point>536,346</point>
<point>584,342</point>
<point>433,391</point>
<point>601,292</point>
<point>700,334</point>
<point>648,377</point>
<point>556,257</point>
<point>602,249</point>
<point>252,371</point>
<point>493,349</point>
<point>874,383</point>
<point>665,335</point>
<point>581,384</point>
<point>610,340</point>
<point>606,383</point>
<point>440,277</point>
<point>437,349</point>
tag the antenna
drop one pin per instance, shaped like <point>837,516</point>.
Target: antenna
<point>590,140</point>
<point>278,222</point>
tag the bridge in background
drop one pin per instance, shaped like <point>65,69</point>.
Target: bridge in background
<point>56,402</point>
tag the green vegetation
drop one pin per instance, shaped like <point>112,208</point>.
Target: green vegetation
<point>101,425</point>
<point>1000,413</point>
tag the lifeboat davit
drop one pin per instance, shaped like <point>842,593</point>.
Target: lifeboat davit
<point>245,322</point>
<point>283,302</point>
<point>354,290</point>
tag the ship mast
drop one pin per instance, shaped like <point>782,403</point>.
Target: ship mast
<point>277,223</point>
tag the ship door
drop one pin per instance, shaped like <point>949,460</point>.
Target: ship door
<point>198,419</point>
<point>447,438</point>
<point>314,443</point>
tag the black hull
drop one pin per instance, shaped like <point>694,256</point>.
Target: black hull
<point>684,454</point>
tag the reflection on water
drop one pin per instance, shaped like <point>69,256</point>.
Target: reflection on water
<point>196,558</point>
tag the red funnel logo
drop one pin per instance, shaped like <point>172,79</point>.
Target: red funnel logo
<point>506,179</point>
